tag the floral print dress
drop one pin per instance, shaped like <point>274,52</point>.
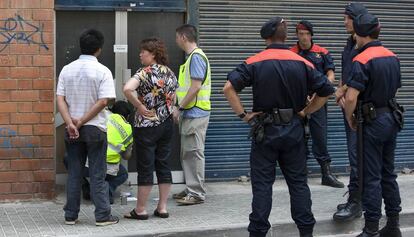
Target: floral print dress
<point>156,90</point>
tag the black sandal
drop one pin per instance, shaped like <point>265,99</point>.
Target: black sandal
<point>161,215</point>
<point>134,215</point>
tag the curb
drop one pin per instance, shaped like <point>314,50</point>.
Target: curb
<point>323,227</point>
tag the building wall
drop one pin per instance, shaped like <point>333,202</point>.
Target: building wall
<point>27,166</point>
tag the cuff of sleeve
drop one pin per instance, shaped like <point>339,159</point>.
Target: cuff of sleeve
<point>358,86</point>
<point>325,91</point>
<point>236,83</point>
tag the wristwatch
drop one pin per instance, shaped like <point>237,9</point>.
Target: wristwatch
<point>242,115</point>
<point>180,108</point>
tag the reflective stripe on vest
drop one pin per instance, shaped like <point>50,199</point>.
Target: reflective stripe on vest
<point>202,99</point>
<point>119,137</point>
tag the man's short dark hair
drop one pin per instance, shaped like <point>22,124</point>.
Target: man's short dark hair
<point>91,41</point>
<point>122,108</point>
<point>189,31</point>
<point>375,34</point>
<point>281,32</point>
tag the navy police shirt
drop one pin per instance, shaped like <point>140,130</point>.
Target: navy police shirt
<point>376,74</point>
<point>280,79</point>
<point>319,56</point>
<point>347,55</point>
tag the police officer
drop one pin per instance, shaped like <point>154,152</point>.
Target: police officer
<point>323,62</point>
<point>281,81</point>
<point>352,208</point>
<point>374,80</point>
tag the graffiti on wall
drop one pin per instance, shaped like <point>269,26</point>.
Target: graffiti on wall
<point>6,135</point>
<point>17,29</point>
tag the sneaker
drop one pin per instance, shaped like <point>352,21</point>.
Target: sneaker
<point>71,221</point>
<point>111,221</point>
<point>190,200</point>
<point>180,195</point>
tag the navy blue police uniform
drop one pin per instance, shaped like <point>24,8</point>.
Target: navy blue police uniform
<point>279,79</point>
<point>323,62</point>
<point>376,75</point>
<point>349,52</point>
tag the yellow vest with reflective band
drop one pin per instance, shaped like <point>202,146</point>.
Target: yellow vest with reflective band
<point>202,99</point>
<point>119,133</point>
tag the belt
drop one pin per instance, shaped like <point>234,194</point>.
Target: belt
<point>383,110</point>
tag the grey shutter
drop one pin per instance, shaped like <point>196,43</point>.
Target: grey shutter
<point>229,33</point>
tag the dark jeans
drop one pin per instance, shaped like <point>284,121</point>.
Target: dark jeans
<point>379,177</point>
<point>91,143</point>
<point>351,141</point>
<point>285,145</point>
<point>152,147</point>
<point>318,130</point>
<point>113,181</point>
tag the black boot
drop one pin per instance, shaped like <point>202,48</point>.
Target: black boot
<point>392,229</point>
<point>370,229</point>
<point>306,232</point>
<point>352,196</point>
<point>351,210</point>
<point>328,179</point>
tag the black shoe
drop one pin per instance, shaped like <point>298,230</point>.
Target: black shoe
<point>366,234</point>
<point>392,229</point>
<point>328,179</point>
<point>341,206</point>
<point>111,220</point>
<point>71,221</point>
<point>351,211</point>
<point>370,229</point>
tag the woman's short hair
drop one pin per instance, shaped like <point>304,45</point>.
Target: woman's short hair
<point>156,47</point>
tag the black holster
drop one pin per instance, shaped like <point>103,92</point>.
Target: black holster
<point>276,117</point>
<point>397,112</point>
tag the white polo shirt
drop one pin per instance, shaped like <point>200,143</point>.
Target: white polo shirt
<point>83,82</point>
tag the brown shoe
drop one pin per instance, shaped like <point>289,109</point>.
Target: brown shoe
<point>179,195</point>
<point>190,200</point>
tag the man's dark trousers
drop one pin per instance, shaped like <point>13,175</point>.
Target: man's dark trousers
<point>91,143</point>
<point>285,145</point>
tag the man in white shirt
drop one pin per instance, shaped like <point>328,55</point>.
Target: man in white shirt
<point>84,89</point>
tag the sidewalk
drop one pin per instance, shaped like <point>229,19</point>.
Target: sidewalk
<point>225,213</point>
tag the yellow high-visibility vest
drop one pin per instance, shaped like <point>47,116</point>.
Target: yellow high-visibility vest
<point>202,100</point>
<point>119,133</point>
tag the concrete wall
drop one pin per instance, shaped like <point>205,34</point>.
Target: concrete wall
<point>27,165</point>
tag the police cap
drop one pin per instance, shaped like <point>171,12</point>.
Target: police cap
<point>354,9</point>
<point>305,25</point>
<point>269,28</point>
<point>366,24</point>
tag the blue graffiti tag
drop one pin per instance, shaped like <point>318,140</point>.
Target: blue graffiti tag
<point>6,142</point>
<point>21,31</point>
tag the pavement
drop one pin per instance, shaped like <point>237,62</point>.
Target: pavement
<point>224,214</point>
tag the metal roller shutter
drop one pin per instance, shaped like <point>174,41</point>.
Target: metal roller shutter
<point>229,33</point>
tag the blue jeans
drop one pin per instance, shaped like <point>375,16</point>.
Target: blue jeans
<point>113,181</point>
<point>91,143</point>
<point>351,141</point>
<point>379,178</point>
<point>318,130</point>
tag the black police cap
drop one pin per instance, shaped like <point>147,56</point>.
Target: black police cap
<point>269,28</point>
<point>365,24</point>
<point>305,25</point>
<point>354,9</point>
